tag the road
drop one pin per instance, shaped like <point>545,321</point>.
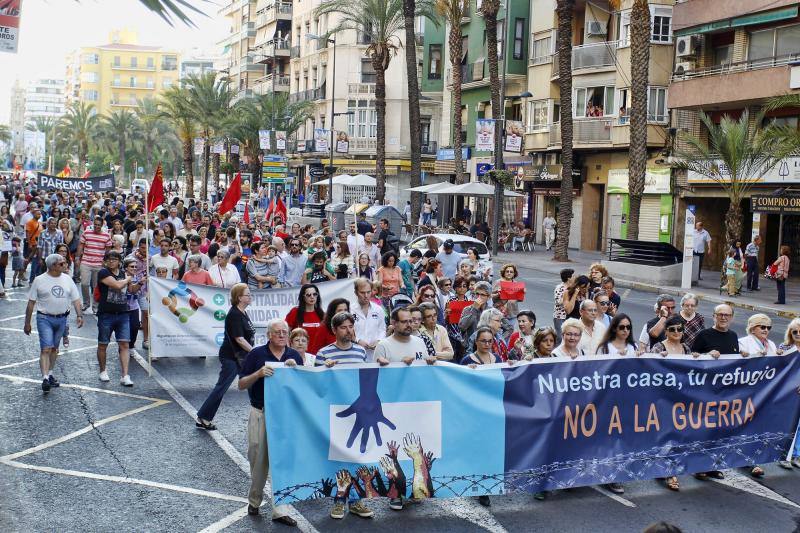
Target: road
<point>100,457</point>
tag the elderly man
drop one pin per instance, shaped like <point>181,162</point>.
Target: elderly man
<point>371,250</point>
<point>751,259</point>
<point>51,295</point>
<point>593,329</point>
<point>370,326</point>
<point>175,219</point>
<point>251,378</point>
<point>655,329</point>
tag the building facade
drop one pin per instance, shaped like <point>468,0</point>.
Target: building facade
<point>730,58</point>
<point>44,98</point>
<point>239,65</point>
<point>117,75</point>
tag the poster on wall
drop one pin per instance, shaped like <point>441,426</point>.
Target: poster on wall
<point>514,135</point>
<point>342,143</point>
<point>484,134</point>
<point>263,139</point>
<point>321,137</point>
<point>10,11</point>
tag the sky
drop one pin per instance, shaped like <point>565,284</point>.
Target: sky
<point>50,29</point>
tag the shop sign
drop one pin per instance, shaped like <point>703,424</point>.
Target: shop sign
<point>448,154</point>
<point>784,204</point>
<point>656,181</point>
<point>785,172</point>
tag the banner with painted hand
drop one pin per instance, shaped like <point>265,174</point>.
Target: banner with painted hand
<point>90,184</point>
<point>450,431</point>
<point>188,320</point>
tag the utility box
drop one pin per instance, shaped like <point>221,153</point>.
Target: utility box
<point>334,212</point>
<point>390,213</point>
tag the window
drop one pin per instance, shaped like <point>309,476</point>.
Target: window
<point>657,104</point>
<point>117,81</point>
<point>90,95</point>
<point>91,59</point>
<point>624,28</point>
<point>150,83</point>
<point>594,102</point>
<point>781,122</point>
<point>425,133</point>
<point>542,50</point>
<point>537,115</point>
<point>435,62</point>
<point>89,77</point>
<point>519,36</point>
<point>134,62</point>
<point>151,63</point>
<point>624,106</point>
<point>501,39</point>
<point>132,81</point>
<point>363,122</point>
<point>117,61</point>
<point>723,54</point>
<point>660,24</point>
<point>166,83</point>
<point>367,71</point>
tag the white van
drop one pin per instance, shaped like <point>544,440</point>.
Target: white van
<point>139,186</point>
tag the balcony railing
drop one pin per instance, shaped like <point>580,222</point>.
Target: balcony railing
<point>308,95</point>
<point>594,55</point>
<point>363,144</point>
<point>469,73</point>
<point>429,148</point>
<point>584,131</point>
<point>739,66</point>
<point>294,51</point>
<point>120,66</point>
<point>281,10</point>
<point>361,88</point>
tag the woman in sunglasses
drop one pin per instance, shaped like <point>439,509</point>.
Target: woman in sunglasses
<point>791,344</point>
<point>756,341</point>
<point>618,339</point>
<point>674,343</point>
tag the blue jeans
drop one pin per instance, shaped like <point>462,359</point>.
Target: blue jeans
<point>781,283</point>
<point>227,373</point>
<point>50,329</point>
<point>117,323</point>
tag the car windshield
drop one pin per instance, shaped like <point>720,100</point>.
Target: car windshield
<point>462,247</point>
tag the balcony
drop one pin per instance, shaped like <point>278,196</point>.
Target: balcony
<point>272,82</point>
<point>233,6</point>
<point>119,85</point>
<point>243,93</point>
<point>294,51</point>
<point>169,66</point>
<point>429,148</point>
<point>471,72</point>
<point>732,83</point>
<point>124,103</point>
<point>308,96</point>
<point>365,145</point>
<point>595,55</point>
<point>120,66</point>
<point>360,88</point>
<point>585,131</point>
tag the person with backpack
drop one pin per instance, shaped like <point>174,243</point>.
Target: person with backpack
<point>387,240</point>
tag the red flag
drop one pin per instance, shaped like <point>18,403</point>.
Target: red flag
<point>155,196</point>
<point>232,195</point>
<point>86,175</point>
<point>246,216</point>
<point>270,209</point>
<point>65,172</point>
<point>280,209</point>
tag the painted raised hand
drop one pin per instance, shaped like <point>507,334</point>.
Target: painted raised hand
<point>367,409</point>
<point>327,487</point>
<point>343,484</point>
<point>367,475</point>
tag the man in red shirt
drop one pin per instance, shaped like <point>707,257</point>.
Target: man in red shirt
<point>89,260</point>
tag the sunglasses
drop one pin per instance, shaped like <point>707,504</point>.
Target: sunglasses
<point>765,327</point>
<point>603,302</point>
<point>796,332</point>
<point>675,329</point>
<point>625,327</point>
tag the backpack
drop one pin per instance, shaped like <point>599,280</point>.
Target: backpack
<point>393,241</point>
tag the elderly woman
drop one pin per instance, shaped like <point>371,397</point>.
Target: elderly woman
<point>239,339</point>
<point>571,331</point>
<point>675,343</point>
<point>298,340</point>
<point>596,274</point>
<point>791,345</point>
<point>196,273</point>
<point>508,273</point>
<point>493,319</point>
<point>521,343</point>
<point>435,332</point>
<point>756,341</point>
<point>224,274</point>
<point>693,322</point>
<point>543,343</point>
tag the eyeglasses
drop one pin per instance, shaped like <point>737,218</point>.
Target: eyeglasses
<point>675,329</point>
<point>625,327</point>
<point>485,341</point>
<point>428,295</point>
<point>723,315</point>
<point>603,302</point>
<point>765,327</point>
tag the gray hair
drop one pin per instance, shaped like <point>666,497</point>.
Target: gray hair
<point>275,322</point>
<point>689,296</point>
<point>488,315</point>
<point>196,258</point>
<point>224,254</point>
<point>585,304</point>
<point>571,323</point>
<point>661,299</point>
<point>427,306</point>
<point>483,285</point>
<point>52,259</point>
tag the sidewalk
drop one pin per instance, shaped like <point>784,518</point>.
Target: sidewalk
<point>761,301</point>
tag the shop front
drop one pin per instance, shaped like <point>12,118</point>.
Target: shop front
<point>655,214</point>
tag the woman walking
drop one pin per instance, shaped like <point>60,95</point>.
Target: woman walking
<point>782,264</point>
<point>309,315</point>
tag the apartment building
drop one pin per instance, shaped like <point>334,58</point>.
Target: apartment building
<point>601,80</point>
<point>118,74</point>
<point>44,98</point>
<point>240,65</point>
<point>16,119</point>
<point>731,57</point>
<point>198,62</point>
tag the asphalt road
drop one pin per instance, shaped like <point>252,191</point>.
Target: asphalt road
<point>100,457</point>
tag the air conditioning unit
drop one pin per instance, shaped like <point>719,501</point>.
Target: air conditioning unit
<point>596,27</point>
<point>682,68</point>
<point>687,46</point>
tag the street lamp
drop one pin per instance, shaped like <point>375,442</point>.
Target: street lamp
<point>498,136</point>
<point>331,40</point>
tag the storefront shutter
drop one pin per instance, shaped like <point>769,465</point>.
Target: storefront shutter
<point>649,218</point>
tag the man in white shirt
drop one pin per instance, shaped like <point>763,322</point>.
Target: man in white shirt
<point>593,329</point>
<point>549,227</point>
<point>401,346</point>
<point>164,260</point>
<point>371,250</point>
<point>702,243</point>
<point>354,241</point>
<point>370,325</point>
<point>51,294</point>
<point>175,219</point>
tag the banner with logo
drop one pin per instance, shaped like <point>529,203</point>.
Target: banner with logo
<point>10,11</point>
<point>280,140</point>
<point>321,140</point>
<point>450,431</point>
<point>198,145</point>
<point>342,142</point>
<point>218,147</point>
<point>263,140</point>
<point>515,135</point>
<point>484,134</point>
<point>90,184</point>
<point>188,320</point>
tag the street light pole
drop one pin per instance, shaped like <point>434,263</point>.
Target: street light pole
<point>333,115</point>
<point>497,215</point>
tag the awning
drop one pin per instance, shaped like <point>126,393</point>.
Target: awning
<point>475,188</point>
<point>745,20</point>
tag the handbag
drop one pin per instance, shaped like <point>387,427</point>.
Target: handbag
<point>512,290</point>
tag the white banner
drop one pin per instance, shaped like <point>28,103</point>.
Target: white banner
<point>280,140</point>
<point>9,25</point>
<point>484,134</point>
<point>218,147</point>
<point>188,320</point>
<point>263,140</point>
<point>321,142</point>
<point>515,131</point>
<point>199,145</point>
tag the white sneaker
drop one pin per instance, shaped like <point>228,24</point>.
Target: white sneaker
<point>126,381</point>
<point>145,345</point>
<point>88,311</point>
<point>104,376</point>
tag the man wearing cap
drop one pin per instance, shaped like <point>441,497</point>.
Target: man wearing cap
<point>449,259</point>
<point>51,295</point>
<point>364,227</point>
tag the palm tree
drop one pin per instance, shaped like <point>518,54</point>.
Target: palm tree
<point>453,11</point>
<point>489,9</point>
<point>5,133</point>
<point>736,157</point>
<point>77,128</point>
<point>153,131</point>
<point>637,159</point>
<point>176,107</point>
<point>210,99</point>
<point>381,22</point>
<point>409,15</point>
<point>564,9</point>
<point>121,127</point>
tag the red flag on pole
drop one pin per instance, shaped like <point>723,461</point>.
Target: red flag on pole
<point>280,209</point>
<point>232,195</point>
<point>270,210</point>
<point>246,216</point>
<point>86,175</point>
<point>155,196</point>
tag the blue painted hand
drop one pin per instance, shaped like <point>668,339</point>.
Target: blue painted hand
<point>367,409</point>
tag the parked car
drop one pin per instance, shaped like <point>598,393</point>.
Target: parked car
<point>139,186</point>
<point>461,243</point>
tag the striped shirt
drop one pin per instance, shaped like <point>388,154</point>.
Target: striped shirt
<point>94,247</point>
<point>354,354</point>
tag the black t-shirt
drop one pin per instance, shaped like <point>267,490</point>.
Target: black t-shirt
<point>237,324</point>
<point>255,360</point>
<point>650,323</point>
<point>384,236</point>
<point>112,300</point>
<point>363,227</point>
<point>725,342</point>
<point>615,299</point>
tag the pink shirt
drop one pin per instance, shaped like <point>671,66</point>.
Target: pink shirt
<point>201,277</point>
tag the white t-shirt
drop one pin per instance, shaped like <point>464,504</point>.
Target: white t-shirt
<point>53,295</point>
<point>700,239</point>
<point>612,350</point>
<point>395,351</point>
<point>224,277</point>
<point>169,262</point>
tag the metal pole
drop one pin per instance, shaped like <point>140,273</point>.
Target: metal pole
<point>333,111</point>
<point>498,139</point>
<point>780,233</point>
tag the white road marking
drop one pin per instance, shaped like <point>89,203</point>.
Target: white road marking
<point>11,318</point>
<point>34,332</point>
<point>84,387</point>
<point>471,511</point>
<point>225,522</point>
<point>20,363</point>
<point>302,523</point>
<point>127,480</point>
<point>616,497</point>
<point>744,483</point>
<point>82,431</point>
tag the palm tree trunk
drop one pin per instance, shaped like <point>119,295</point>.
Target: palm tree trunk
<point>215,171</point>
<point>490,8</point>
<point>236,164</point>
<point>564,10</point>
<point>206,157</point>
<point>637,163</point>
<point>188,162</point>
<point>380,149</point>
<point>455,69</point>
<point>122,157</point>
<point>409,7</point>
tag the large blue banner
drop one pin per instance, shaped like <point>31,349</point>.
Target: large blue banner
<point>447,431</point>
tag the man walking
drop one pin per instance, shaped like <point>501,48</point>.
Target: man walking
<point>370,326</point>
<point>51,295</point>
<point>549,227</point>
<point>294,265</point>
<point>48,240</point>
<point>702,243</point>
<point>449,259</point>
<point>89,260</point>
<point>251,377</point>
<point>401,346</point>
<point>751,260</point>
<point>165,260</point>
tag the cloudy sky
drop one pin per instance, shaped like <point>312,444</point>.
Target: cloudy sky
<point>51,28</point>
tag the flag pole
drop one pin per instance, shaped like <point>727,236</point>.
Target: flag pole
<point>147,273</point>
